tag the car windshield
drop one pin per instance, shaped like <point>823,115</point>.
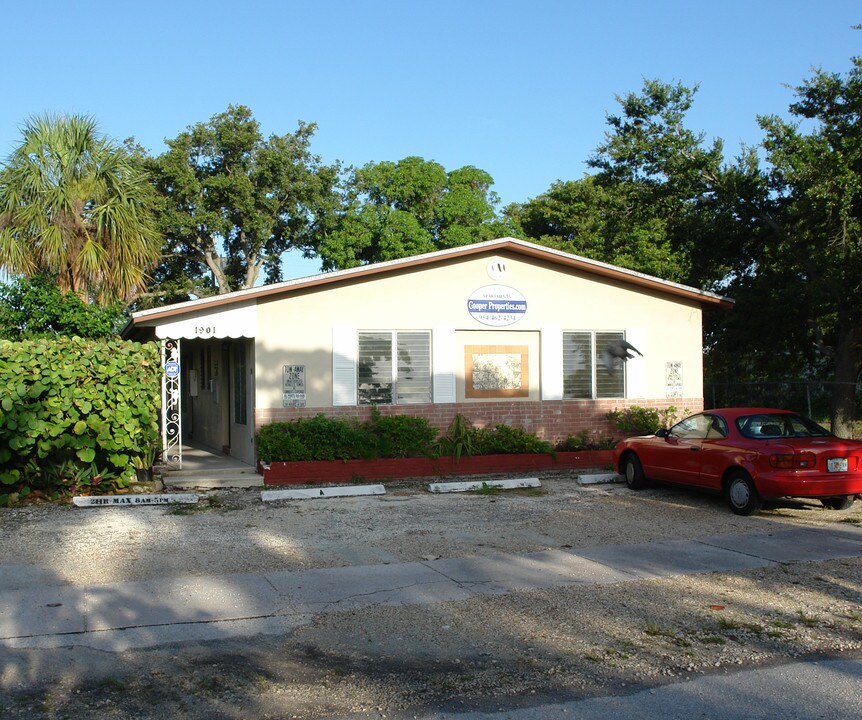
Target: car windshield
<point>700,427</point>
<point>773,425</point>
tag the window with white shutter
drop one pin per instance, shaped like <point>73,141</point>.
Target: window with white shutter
<point>343,366</point>
<point>588,372</point>
<point>443,365</point>
<point>393,368</point>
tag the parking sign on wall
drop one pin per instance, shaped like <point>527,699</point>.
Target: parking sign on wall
<point>293,386</point>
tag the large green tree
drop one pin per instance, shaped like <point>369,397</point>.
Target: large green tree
<point>594,219</point>
<point>233,202</point>
<point>77,207</point>
<point>783,240</point>
<point>396,209</point>
<point>816,241</point>
<point>35,307</point>
<point>640,208</point>
<point>663,201</point>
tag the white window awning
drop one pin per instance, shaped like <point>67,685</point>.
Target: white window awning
<point>235,322</point>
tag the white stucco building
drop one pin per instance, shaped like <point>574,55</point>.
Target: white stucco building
<point>501,331</point>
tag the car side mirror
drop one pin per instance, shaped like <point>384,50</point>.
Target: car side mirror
<point>662,432</point>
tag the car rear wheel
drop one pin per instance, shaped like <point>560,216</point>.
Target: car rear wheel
<point>634,472</point>
<point>838,503</point>
<point>741,493</point>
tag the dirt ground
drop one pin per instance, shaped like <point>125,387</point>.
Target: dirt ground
<point>400,662</point>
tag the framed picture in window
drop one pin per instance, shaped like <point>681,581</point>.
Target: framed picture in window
<point>496,371</point>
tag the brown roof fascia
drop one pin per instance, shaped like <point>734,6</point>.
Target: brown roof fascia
<point>517,247</point>
<point>630,277</point>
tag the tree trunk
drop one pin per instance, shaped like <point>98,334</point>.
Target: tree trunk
<point>213,262</point>
<point>847,369</point>
<point>252,271</point>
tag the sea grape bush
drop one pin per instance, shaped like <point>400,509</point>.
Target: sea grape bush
<point>75,415</point>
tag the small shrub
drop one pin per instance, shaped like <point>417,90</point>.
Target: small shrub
<point>401,436</point>
<point>335,439</point>
<point>485,489</point>
<point>636,420</point>
<point>584,440</point>
<point>275,443</point>
<point>506,440</point>
<point>316,438</point>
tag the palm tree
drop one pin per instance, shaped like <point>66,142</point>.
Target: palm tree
<point>77,207</point>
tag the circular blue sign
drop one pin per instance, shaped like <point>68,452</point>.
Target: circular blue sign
<point>172,369</point>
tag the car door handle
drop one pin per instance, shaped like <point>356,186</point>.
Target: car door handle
<point>694,449</point>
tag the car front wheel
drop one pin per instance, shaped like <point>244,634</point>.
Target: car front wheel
<point>741,494</point>
<point>634,472</point>
<point>838,503</point>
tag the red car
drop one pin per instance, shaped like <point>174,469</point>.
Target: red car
<point>750,455</point>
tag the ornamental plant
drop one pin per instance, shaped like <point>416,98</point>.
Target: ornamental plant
<point>506,440</point>
<point>636,420</point>
<point>75,415</point>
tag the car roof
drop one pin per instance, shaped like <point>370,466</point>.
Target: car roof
<point>738,411</point>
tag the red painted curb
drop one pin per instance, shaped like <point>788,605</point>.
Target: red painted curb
<point>339,471</point>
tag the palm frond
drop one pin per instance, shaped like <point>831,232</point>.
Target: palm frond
<point>77,206</point>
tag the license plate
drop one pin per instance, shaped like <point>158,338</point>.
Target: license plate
<point>836,464</point>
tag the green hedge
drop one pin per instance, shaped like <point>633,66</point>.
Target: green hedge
<point>76,415</point>
<point>324,438</point>
<point>317,438</point>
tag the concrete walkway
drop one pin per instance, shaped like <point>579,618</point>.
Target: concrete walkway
<point>129,615</point>
<point>204,468</point>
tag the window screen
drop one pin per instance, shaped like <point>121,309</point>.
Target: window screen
<point>588,371</point>
<point>578,365</point>
<point>374,368</point>
<point>610,372</point>
<point>405,380</point>
<point>414,368</point>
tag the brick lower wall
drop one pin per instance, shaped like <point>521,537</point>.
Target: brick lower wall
<point>551,420</point>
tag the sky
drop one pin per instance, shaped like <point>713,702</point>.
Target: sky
<point>519,89</point>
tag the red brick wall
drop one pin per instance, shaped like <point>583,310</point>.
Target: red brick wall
<point>551,420</point>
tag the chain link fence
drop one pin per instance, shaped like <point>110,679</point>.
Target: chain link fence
<point>809,397</point>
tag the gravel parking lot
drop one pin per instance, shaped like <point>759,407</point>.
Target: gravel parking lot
<point>523,647</point>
